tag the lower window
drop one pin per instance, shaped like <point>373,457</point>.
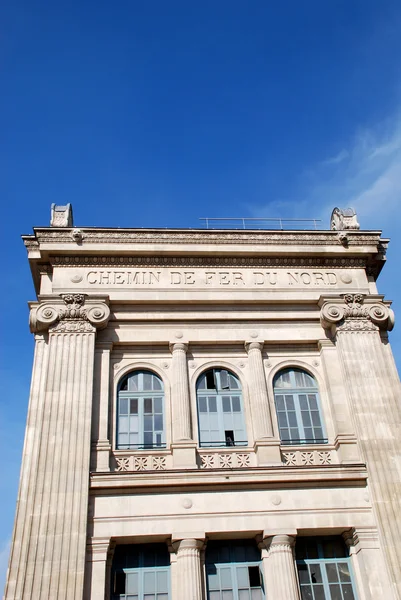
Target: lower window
<point>324,569</point>
<point>141,572</point>
<point>233,571</point>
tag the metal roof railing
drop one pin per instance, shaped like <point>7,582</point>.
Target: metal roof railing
<point>252,223</point>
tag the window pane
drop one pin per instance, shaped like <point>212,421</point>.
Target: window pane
<point>123,424</point>
<point>132,583</point>
<point>227,595</point>
<point>343,570</point>
<point>318,590</point>
<point>315,574</point>
<point>224,385</point>
<point>158,426</point>
<point>212,404</point>
<point>303,574</point>
<point>234,384</point>
<point>225,578</point>
<point>242,577</point>
<point>148,438</point>
<point>347,592</point>
<point>335,592</point>
<point>331,570</point>
<point>306,592</point>
<point>202,404</point>
<point>292,419</point>
<point>282,419</point>
<point>236,402</point>
<point>148,423</point>
<point>123,406</point>
<point>289,400</point>
<point>149,582</point>
<point>148,405</point>
<point>315,418</point>
<point>157,384</point>
<point>303,403</point>
<point>226,404</point>
<point>158,405</point>
<point>147,381</point>
<point>256,594</point>
<point>134,424</point>
<point>254,576</point>
<point>280,402</point>
<point>306,418</point>
<point>312,401</point>
<point>133,406</point>
<point>243,595</point>
<point>133,383</point>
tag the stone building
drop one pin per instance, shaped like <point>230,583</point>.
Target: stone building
<point>214,414</point>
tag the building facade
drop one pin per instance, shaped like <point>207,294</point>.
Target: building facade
<point>214,414</point>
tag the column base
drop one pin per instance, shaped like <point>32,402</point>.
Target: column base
<point>268,453</point>
<point>184,455</point>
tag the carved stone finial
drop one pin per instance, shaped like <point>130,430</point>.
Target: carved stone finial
<point>61,216</point>
<point>71,313</point>
<point>343,218</point>
<point>355,312</point>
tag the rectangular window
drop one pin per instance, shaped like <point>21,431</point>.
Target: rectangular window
<point>324,569</point>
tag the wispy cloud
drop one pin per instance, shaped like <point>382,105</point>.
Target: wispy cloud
<point>365,175</point>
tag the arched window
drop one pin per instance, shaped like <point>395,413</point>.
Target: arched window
<point>297,404</point>
<point>220,409</point>
<point>140,411</point>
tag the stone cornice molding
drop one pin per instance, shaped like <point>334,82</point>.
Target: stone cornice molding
<point>143,236</point>
<point>352,313</point>
<point>268,262</point>
<point>72,313</point>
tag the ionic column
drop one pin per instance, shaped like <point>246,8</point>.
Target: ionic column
<point>261,417</point>
<point>51,529</point>
<point>358,325</point>
<point>188,569</point>
<point>280,566</point>
<point>100,417</point>
<point>181,409</point>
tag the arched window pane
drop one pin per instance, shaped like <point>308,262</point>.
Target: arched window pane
<point>140,422</point>
<point>220,411</point>
<point>296,397</point>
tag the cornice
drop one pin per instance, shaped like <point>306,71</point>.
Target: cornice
<point>207,236</point>
<point>207,261</point>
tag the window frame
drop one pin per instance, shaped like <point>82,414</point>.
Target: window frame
<point>140,396</point>
<point>220,394</point>
<point>296,392</point>
<point>322,562</point>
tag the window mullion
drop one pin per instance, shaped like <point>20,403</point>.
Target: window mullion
<point>299,415</point>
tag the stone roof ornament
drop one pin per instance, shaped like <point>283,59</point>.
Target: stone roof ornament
<point>343,218</point>
<point>61,216</point>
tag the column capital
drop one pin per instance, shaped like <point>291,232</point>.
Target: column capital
<point>69,313</point>
<point>254,345</point>
<point>279,542</point>
<point>355,313</point>
<point>188,544</point>
<point>183,346</point>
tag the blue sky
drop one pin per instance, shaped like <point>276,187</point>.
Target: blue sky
<point>157,113</point>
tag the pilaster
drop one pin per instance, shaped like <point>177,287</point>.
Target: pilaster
<point>48,559</point>
<point>101,446</point>
<point>266,447</point>
<point>355,323</point>
<point>183,446</point>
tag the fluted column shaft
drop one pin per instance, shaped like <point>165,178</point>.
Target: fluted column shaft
<point>378,420</point>
<point>188,569</point>
<point>49,547</point>
<point>181,409</point>
<point>359,325</point>
<point>281,567</point>
<point>261,416</point>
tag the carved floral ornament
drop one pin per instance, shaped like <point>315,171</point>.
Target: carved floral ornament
<point>72,313</point>
<point>356,312</point>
